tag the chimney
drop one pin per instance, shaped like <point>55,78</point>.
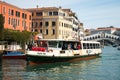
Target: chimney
<point>37,6</point>
<point>60,7</point>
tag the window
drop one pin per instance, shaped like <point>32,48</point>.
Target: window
<point>9,12</point>
<point>9,21</point>
<point>40,23</point>
<point>25,27</point>
<point>53,23</point>
<point>16,13</point>
<point>84,45</point>
<point>36,30</point>
<point>30,18</point>
<point>91,46</point>
<point>55,13</point>
<point>59,44</point>
<point>39,14</point>
<point>50,13</point>
<point>36,24</point>
<point>14,25</point>
<point>32,24</point>
<point>29,25</point>
<point>62,24</point>
<point>18,22</point>
<point>88,47</point>
<point>4,11</point>
<point>63,14</point>
<point>53,31</point>
<point>40,30</point>
<point>23,16</point>
<point>52,44</point>
<point>46,31</point>
<point>12,12</point>
<point>59,32</point>
<point>32,14</point>
<point>4,18</point>
<point>47,23</point>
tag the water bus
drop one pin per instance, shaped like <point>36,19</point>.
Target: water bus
<point>56,50</point>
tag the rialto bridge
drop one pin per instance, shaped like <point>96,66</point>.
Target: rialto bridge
<point>102,36</point>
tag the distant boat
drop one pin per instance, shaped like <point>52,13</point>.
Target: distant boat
<point>114,45</point>
<point>118,48</point>
<point>13,55</point>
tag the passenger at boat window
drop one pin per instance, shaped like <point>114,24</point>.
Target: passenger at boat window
<point>35,44</point>
<point>43,44</point>
<point>75,46</point>
<point>64,46</point>
<point>69,47</point>
<point>79,47</point>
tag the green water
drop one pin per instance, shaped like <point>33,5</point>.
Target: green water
<point>107,67</point>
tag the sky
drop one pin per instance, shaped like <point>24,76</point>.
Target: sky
<point>92,13</point>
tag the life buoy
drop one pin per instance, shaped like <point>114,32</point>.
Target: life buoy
<point>50,50</point>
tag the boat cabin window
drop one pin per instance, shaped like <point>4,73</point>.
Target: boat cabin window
<point>53,44</point>
<point>42,44</point>
<point>84,45</point>
<point>71,46</point>
<point>91,45</point>
<point>60,44</point>
<point>88,46</point>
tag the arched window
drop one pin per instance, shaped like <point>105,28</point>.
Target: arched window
<point>98,36</point>
<point>106,36</point>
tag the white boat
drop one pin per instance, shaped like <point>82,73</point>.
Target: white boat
<point>56,50</point>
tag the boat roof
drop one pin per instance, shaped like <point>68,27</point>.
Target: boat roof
<point>70,40</point>
<point>58,40</point>
<point>89,42</point>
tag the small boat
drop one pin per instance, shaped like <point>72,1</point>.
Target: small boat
<point>118,47</point>
<point>56,50</point>
<point>13,55</point>
<point>114,45</point>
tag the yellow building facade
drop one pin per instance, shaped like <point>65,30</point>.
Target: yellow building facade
<point>55,23</point>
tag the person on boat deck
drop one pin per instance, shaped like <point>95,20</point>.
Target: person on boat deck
<point>35,44</point>
<point>75,46</point>
<point>69,47</point>
<point>43,44</point>
<point>64,47</point>
<point>79,47</point>
<point>29,46</point>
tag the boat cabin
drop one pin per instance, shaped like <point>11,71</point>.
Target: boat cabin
<point>52,44</point>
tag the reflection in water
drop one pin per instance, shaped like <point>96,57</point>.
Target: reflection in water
<point>61,71</point>
<point>12,69</point>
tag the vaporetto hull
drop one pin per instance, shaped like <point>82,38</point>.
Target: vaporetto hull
<point>44,59</point>
<point>51,59</point>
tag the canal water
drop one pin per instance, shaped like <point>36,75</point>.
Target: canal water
<point>107,67</point>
